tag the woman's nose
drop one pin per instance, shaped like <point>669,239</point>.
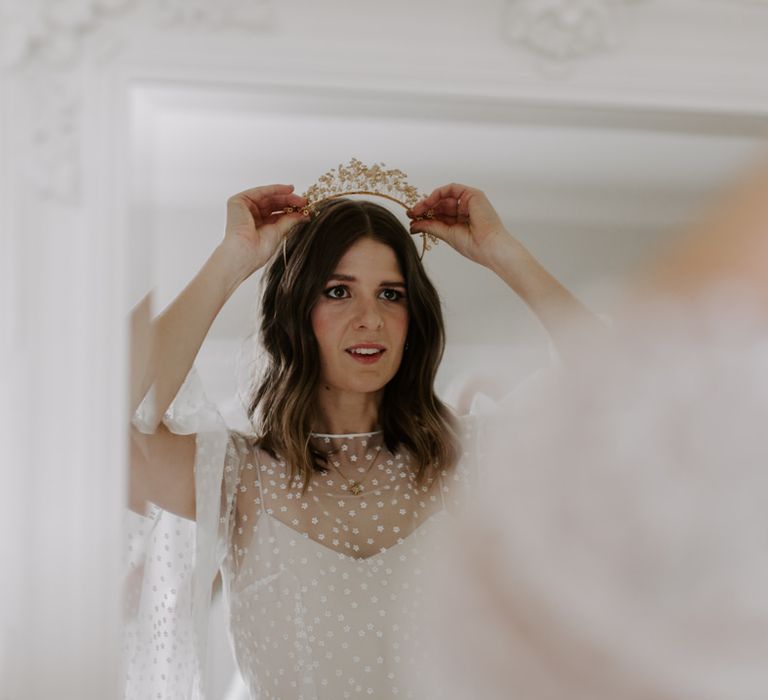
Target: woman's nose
<point>369,316</point>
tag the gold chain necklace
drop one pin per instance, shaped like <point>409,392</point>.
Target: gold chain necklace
<point>356,485</point>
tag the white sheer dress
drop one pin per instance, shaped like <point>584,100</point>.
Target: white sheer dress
<point>323,590</point>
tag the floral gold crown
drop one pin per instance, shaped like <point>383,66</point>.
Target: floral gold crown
<point>358,178</point>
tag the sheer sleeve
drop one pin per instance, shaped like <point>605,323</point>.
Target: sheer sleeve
<point>172,562</point>
<point>481,418</point>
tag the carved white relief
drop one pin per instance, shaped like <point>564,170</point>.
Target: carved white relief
<point>50,31</point>
<point>51,141</point>
<point>41,43</point>
<point>44,38</point>
<point>242,14</point>
<point>562,29</point>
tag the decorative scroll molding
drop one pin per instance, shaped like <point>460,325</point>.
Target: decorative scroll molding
<point>242,14</point>
<point>51,138</point>
<point>562,29</point>
<point>50,31</point>
<point>41,44</point>
<point>53,31</point>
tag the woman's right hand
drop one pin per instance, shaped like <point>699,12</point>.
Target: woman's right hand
<point>253,231</point>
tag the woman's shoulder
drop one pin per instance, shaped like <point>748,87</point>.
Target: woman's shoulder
<point>255,448</point>
<point>467,424</point>
<point>244,451</point>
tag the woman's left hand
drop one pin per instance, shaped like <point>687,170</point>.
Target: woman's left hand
<point>465,219</point>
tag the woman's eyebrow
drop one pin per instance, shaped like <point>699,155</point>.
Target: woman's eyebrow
<point>350,278</point>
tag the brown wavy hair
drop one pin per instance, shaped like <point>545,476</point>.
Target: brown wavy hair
<point>410,413</point>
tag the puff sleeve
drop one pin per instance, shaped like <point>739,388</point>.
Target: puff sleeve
<point>171,562</point>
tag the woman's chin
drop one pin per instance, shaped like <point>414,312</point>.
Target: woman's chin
<point>361,385</point>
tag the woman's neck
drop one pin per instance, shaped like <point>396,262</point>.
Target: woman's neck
<point>345,413</point>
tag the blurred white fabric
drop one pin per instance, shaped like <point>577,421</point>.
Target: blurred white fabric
<point>618,546</point>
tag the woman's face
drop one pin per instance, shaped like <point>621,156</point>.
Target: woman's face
<point>362,307</point>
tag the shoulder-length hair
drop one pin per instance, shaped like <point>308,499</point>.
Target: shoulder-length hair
<point>284,397</point>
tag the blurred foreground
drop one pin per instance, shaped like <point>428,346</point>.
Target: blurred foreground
<point>617,545</point>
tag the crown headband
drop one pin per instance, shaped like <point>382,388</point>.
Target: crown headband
<point>357,178</point>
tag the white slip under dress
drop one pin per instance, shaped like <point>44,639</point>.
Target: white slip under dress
<point>324,590</point>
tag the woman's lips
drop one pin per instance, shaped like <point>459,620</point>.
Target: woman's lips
<point>366,359</point>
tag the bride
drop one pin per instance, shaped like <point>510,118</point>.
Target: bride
<point>316,520</point>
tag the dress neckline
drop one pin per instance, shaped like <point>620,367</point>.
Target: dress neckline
<point>417,531</point>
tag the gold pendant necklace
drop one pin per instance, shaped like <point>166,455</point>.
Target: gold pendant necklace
<point>356,486</point>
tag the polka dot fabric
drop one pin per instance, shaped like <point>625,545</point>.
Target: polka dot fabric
<point>324,588</point>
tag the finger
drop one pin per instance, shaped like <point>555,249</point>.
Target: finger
<point>277,203</point>
<point>262,207</point>
<point>458,207</point>
<point>447,207</point>
<point>445,214</point>
<point>281,199</point>
<point>285,222</point>
<point>462,206</point>
<point>256,193</point>
<point>241,210</point>
<point>434,227</point>
<point>260,199</point>
<point>448,220</point>
<point>453,190</point>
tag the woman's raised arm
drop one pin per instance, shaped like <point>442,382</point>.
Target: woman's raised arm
<point>252,235</point>
<point>466,220</point>
<point>161,462</point>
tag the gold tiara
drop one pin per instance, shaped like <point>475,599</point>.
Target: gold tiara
<point>358,178</point>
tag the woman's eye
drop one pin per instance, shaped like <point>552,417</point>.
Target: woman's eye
<point>392,294</point>
<point>340,291</point>
<point>332,292</point>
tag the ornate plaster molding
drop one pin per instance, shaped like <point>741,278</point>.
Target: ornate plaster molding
<point>50,140</point>
<point>42,44</point>
<point>562,29</point>
<point>41,47</point>
<point>241,14</point>
<point>50,32</point>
